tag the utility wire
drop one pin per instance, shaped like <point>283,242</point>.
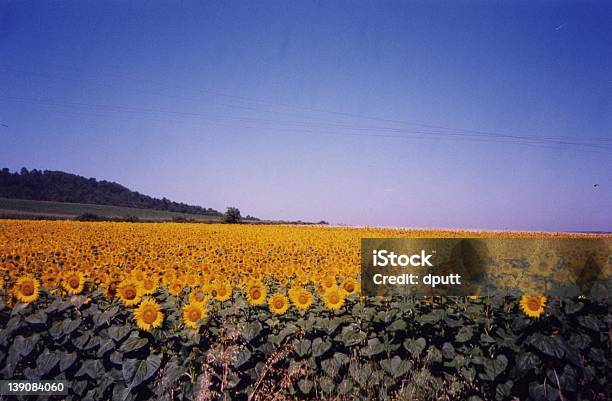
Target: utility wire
<point>311,109</point>
<point>413,134</point>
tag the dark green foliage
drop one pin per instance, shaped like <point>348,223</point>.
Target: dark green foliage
<point>59,186</point>
<point>408,349</point>
<point>232,215</point>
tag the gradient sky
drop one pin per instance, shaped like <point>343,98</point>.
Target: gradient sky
<point>306,110</point>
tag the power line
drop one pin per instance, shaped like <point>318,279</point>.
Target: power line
<point>414,134</point>
<point>304,108</point>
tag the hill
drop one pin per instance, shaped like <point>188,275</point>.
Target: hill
<point>58,186</point>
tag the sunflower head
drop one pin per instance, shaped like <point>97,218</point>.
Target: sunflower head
<point>278,304</point>
<point>193,314</point>
<point>129,292</point>
<point>175,287</point>
<point>328,282</point>
<point>223,291</point>
<point>26,289</point>
<point>533,305</point>
<point>350,286</point>
<point>148,315</point>
<point>74,282</point>
<point>148,285</point>
<point>334,298</point>
<point>198,295</point>
<point>302,299</point>
<point>256,293</point>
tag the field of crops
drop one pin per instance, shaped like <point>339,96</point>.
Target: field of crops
<point>127,311</point>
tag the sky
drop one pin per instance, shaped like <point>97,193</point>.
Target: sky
<point>447,114</point>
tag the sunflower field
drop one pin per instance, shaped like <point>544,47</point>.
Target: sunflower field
<point>170,311</point>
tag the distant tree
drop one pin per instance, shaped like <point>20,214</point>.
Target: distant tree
<point>232,215</point>
<point>89,217</point>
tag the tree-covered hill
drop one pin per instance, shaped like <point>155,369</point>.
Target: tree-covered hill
<point>59,186</point>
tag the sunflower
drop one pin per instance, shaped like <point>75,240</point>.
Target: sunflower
<point>302,299</point>
<point>138,275</point>
<point>74,282</point>
<point>256,293</point>
<point>129,292</point>
<point>175,287</point>
<point>278,304</point>
<point>294,290</point>
<point>533,305</point>
<point>328,282</point>
<point>193,314</point>
<point>148,315</point>
<point>223,291</point>
<point>350,286</point>
<point>198,295</point>
<point>333,298</point>
<point>26,289</point>
<point>148,285</point>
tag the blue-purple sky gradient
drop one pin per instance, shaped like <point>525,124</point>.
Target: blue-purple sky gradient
<point>226,121</point>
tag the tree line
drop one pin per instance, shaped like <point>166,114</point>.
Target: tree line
<point>59,186</point>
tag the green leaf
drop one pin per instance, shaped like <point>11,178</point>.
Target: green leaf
<point>46,361</point>
<point>415,347</point>
<point>67,360</point>
<point>580,340</point>
<point>302,347</point>
<point>395,366</point>
<point>133,343</point>
<point>361,373</point>
<point>118,332</point>
<point>448,351</point>
<point>92,368</point>
<point>568,378</point>
<point>352,336</point>
<point>464,335</point>
<point>25,345</point>
<point>373,347</point>
<point>543,392</point>
<point>503,390</point>
<point>494,367</point>
<point>136,371</point>
<point>327,384</point>
<point>342,359</point>
<point>572,307</point>
<point>320,346</point>
<point>39,317</point>
<point>345,386</point>
<point>70,325</point>
<point>121,393</point>
<point>172,371</point>
<point>105,317</point>
<point>430,318</point>
<point>305,385</point>
<point>241,357</point>
<point>550,345</point>
<point>590,322</point>
<point>81,341</point>
<point>251,330</point>
<point>331,366</point>
<point>398,325</point>
<point>469,373</point>
<point>527,361</point>
<point>106,345</point>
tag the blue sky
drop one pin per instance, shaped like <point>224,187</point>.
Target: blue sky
<point>311,110</point>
